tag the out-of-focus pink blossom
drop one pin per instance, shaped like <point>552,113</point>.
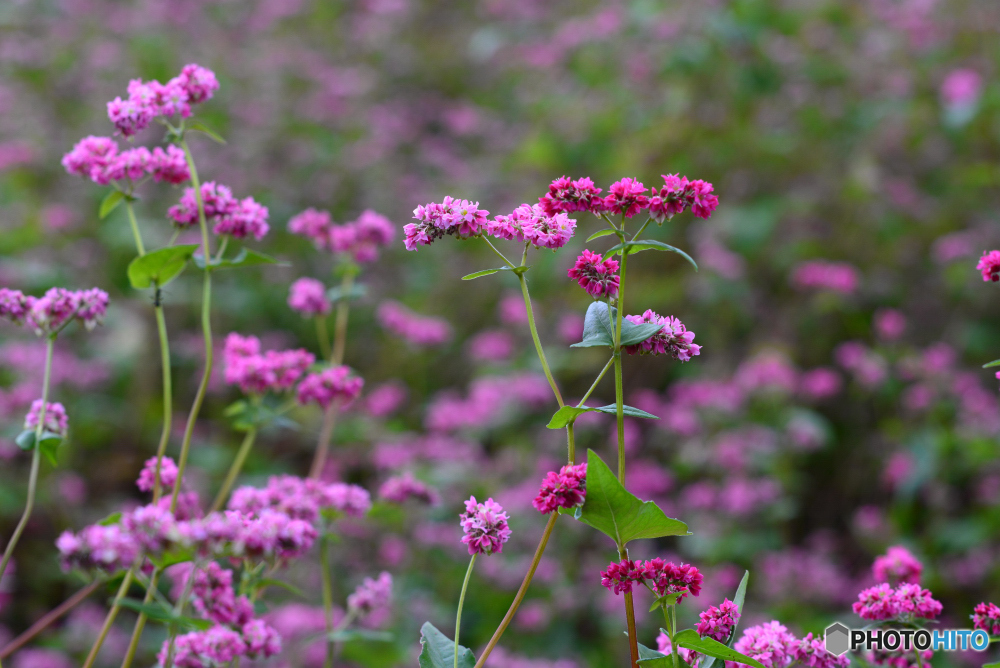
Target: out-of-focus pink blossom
<point>986,616</point>
<point>399,489</point>
<point>417,329</point>
<point>897,566</point>
<point>371,595</point>
<point>255,372</point>
<point>329,385</point>
<point>56,420</point>
<point>485,526</point>
<point>821,275</point>
<point>961,87</point>
<point>168,474</point>
<point>308,297</point>
<point>820,383</point>
<point>989,266</point>
<point>385,399</point>
<point>890,324</point>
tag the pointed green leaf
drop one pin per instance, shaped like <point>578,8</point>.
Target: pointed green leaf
<point>439,652</point>
<point>110,203</point>
<point>484,272</point>
<point>157,612</point>
<point>565,415</point>
<point>633,334</point>
<point>663,601</point>
<point>336,294</point>
<point>992,364</point>
<point>612,409</point>
<point>649,653</point>
<point>347,635</point>
<point>656,662</point>
<point>648,244</point>
<point>272,582</point>
<point>598,234</point>
<point>110,520</point>
<point>198,126</point>
<point>26,439</point>
<point>619,514</point>
<point>160,266</point>
<point>597,327</point>
<point>690,639</point>
<point>49,443</point>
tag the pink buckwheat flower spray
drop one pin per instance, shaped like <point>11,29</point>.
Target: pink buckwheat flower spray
<point>565,489</point>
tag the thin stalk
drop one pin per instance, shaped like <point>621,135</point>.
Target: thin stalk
<point>168,400</point>
<point>570,444</point>
<point>323,337</point>
<point>49,618</point>
<point>324,563</point>
<point>673,633</point>
<point>36,454</point>
<point>461,602</point>
<point>502,256</point>
<point>598,380</point>
<point>109,620</point>
<point>134,224</point>
<point>509,617</point>
<point>325,437</point>
<point>340,326</point>
<point>538,343</point>
<point>339,345</point>
<point>234,469</point>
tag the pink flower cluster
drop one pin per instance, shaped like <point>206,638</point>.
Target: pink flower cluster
<point>628,196</point>
<point>489,398</point>
<point>905,659</point>
<point>907,601</point>
<point>771,644</point>
<point>418,329</point>
<point>897,566</point>
<point>238,218</point>
<point>989,265</point>
<point>361,239</point>
<point>530,223</point>
<point>308,297</point>
<point>961,87</point>
<point>256,372</point>
<point>221,645</point>
<point>485,526</point>
<point>664,577</point>
<point>332,384</point>
<point>399,489</point>
<point>56,420</point>
<point>50,312</point>
<point>821,275</point>
<point>303,499</point>
<point>565,489</point>
<point>147,477</point>
<point>718,622</point>
<point>371,595</point>
<point>673,339</point>
<point>597,275</point>
<point>456,217</point>
<point>986,616</point>
<point>147,100</point>
<point>98,159</point>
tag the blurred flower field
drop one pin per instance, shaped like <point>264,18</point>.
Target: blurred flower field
<point>830,428</point>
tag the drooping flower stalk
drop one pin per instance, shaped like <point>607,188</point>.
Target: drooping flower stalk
<point>461,602</point>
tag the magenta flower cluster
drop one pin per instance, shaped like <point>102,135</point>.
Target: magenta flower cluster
<point>53,310</point>
<point>628,197</point>
<point>821,275</point>
<point>371,595</point>
<point>401,488</point>
<point>56,420</point>
<point>485,526</point>
<point>897,566</point>
<point>673,339</point>
<point>257,372</point>
<point>168,474</point>
<point>530,223</point>
<point>597,275</point>
<point>986,616</point>
<point>98,159</point>
<point>664,577</point>
<point>151,99</point>
<point>238,218</point>
<point>989,266</point>
<point>565,489</point>
<point>905,602</point>
<point>774,646</point>
<point>332,384</point>
<point>302,499</point>
<point>718,621</point>
<point>417,329</point>
<point>456,217</point>
<point>361,239</point>
<point>308,297</point>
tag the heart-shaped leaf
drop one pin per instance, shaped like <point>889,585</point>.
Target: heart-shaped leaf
<point>597,329</point>
<point>690,639</point>
<point>484,272</point>
<point>26,439</point>
<point>49,444</point>
<point>198,126</point>
<point>110,203</point>
<point>649,244</point>
<point>160,266</point>
<point>619,514</point>
<point>437,651</point>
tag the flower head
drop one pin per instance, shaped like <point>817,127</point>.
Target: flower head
<point>91,157</point>
<point>456,217</point>
<point>771,644</point>
<point>565,489</point>
<point>718,622</point>
<point>485,526</point>
<point>400,488</point>
<point>673,339</point>
<point>896,566</point>
<point>371,595</point>
<point>667,577</point>
<point>597,275</point>
<point>248,218</point>
<point>256,372</point>
<point>419,330</point>
<point>811,652</point>
<point>168,474</point>
<point>198,82</point>
<point>308,297</point>
<point>619,577</point>
<point>13,305</point>
<point>907,601</point>
<point>627,197</point>
<point>567,195</point>
<point>56,420</point>
<point>989,265</point>
<point>330,384</point>
<point>986,616</point>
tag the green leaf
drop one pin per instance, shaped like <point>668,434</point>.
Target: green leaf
<point>49,444</point>
<point>992,665</point>
<point>597,327</point>
<point>566,415</point>
<point>171,557</point>
<point>648,244</point>
<point>336,294</point>
<point>633,334</point>
<point>690,639</point>
<point>619,514</point>
<point>198,126</point>
<point>159,613</point>
<point>347,635</point>
<point>160,266</point>
<point>110,520</point>
<point>484,272</point>
<point>656,662</point>
<point>648,653</point>
<point>598,234</point>
<point>110,203</point>
<point>26,439</point>
<point>662,601</point>
<point>738,599</point>
<point>245,258</point>
<point>439,652</point>
<point>612,409</point>
<point>271,582</point>
<point>992,364</point>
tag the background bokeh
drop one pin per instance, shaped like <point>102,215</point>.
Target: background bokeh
<point>854,147</point>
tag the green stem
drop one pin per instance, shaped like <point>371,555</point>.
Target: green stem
<point>133,223</point>
<point>502,256</point>
<point>50,618</point>
<point>36,454</point>
<point>673,633</point>
<point>461,602</point>
<point>324,565</point>
<point>323,337</point>
<point>234,469</point>
<point>179,610</point>
<point>109,620</point>
<point>168,400</point>
<point>339,345</point>
<point>509,617</point>
<point>538,343</point>
<point>570,444</point>
<point>340,326</point>
<point>598,380</point>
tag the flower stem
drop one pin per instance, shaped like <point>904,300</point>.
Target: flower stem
<point>502,256</point>
<point>324,566</point>
<point>339,345</point>
<point>109,620</point>
<point>36,454</point>
<point>461,601</point>
<point>140,623</point>
<point>509,617</point>
<point>234,469</point>
<point>598,380</point>
<point>49,618</point>
<point>570,444</point>
<point>139,247</point>
<point>673,633</point>
<point>323,337</point>
<point>340,326</point>
<point>538,343</point>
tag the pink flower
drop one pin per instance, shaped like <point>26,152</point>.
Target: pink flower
<point>673,338</point>
<point>457,217</point>
<point>13,305</point>
<point>565,489</point>
<point>771,644</point>
<point>399,489</point>
<point>262,640</point>
<point>667,577</point>
<point>986,616</point>
<point>217,199</point>
<point>198,82</point>
<point>718,622</point>
<point>961,87</point>
<point>566,196</point>
<point>91,157</point>
<point>821,275</point>
<point>877,603</point>
<point>915,601</point>
<point>907,601</point>
<point>417,329</point>
<point>677,193</point>
<point>620,576</point>
<point>256,372</point>
<point>56,420</point>
<point>889,324</point>
<point>247,219</point>
<point>308,297</point>
<point>334,383</point>
<point>93,306</point>
<point>385,399</point>
<point>169,165</point>
<point>37,657</point>
<point>371,595</point>
<point>532,224</point>
<point>820,383</point>
<point>989,265</point>
<point>485,526</point>
<point>130,116</point>
<point>897,566</point>
<point>627,197</point>
<point>599,277</point>
<point>811,651</point>
<point>219,645</point>
<point>131,164</point>
<point>703,202</point>
<point>491,346</point>
<point>168,475</point>
<point>371,231</point>
<point>312,224</point>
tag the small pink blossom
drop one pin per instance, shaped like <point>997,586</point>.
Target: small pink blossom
<point>986,616</point>
<point>485,526</point>
<point>667,577</point>
<point>491,346</point>
<point>565,489</point>
<point>334,383</point>
<point>619,577</point>
<point>456,217</point>
<point>401,488</point>
<point>246,219</point>
<point>371,595</point>
<point>718,622</point>
<point>961,87</point>
<point>889,324</point>
<point>567,195</point>
<point>673,339</point>
<point>56,420</point>
<point>14,305</point>
<point>897,566</point>
<point>168,474</point>
<point>989,265</point>
<point>417,329</point>
<point>597,275</point>
<point>308,297</point>
<point>771,644</point>
<point>627,196</point>
<point>821,275</point>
